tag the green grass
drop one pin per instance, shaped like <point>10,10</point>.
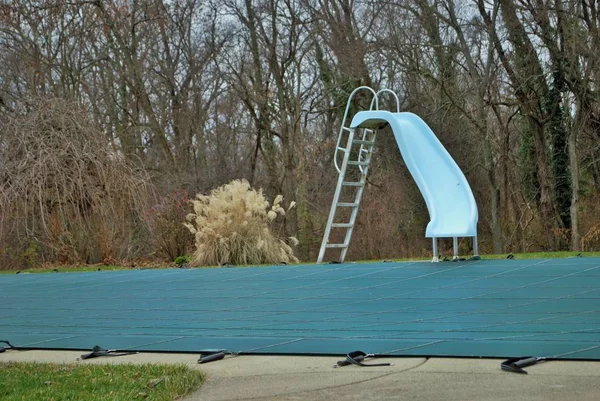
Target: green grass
<point>543,255</point>
<point>82,268</point>
<point>529,255</point>
<point>91,268</point>
<point>95,382</point>
<point>65,269</point>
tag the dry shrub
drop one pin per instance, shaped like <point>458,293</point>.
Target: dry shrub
<point>169,238</point>
<point>591,239</point>
<point>232,226</point>
<point>64,189</point>
<point>589,221</point>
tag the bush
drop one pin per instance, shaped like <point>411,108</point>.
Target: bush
<point>183,260</point>
<point>65,195</point>
<point>170,238</point>
<point>232,226</point>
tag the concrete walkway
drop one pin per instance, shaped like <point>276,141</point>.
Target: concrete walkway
<point>287,378</point>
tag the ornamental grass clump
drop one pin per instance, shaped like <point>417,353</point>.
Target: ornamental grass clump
<point>233,226</point>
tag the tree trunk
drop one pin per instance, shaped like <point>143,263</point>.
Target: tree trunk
<point>574,167</point>
<point>495,204</point>
<point>543,175</point>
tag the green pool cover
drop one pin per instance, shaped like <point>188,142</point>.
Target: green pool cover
<point>495,308</point>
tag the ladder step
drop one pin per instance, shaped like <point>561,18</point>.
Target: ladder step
<point>342,225</point>
<point>363,142</point>
<point>353,184</point>
<point>347,204</point>
<point>336,246</point>
<point>357,163</point>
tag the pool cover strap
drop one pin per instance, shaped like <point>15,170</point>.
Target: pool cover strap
<point>8,346</point>
<point>516,365</point>
<point>98,351</point>
<point>211,356</point>
<point>357,358</point>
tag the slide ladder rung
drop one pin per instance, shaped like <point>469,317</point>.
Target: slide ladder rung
<point>342,225</point>
<point>358,163</point>
<point>363,142</point>
<point>347,204</point>
<point>336,246</point>
<point>353,184</point>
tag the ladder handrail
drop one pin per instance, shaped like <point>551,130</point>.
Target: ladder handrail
<point>374,106</point>
<point>382,91</point>
<point>375,100</point>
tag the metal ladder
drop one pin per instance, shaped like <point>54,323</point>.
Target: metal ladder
<point>365,144</point>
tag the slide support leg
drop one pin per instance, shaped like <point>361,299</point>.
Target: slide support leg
<point>435,251</point>
<point>455,246</point>
<point>475,248</point>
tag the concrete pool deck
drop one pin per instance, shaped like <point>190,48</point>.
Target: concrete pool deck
<point>288,378</point>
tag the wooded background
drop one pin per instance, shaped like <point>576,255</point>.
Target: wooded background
<point>128,107</point>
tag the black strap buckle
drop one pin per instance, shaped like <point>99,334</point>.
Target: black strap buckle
<point>357,358</point>
<point>516,365</point>
<point>98,351</point>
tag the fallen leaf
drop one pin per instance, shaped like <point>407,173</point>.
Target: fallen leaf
<point>154,382</point>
